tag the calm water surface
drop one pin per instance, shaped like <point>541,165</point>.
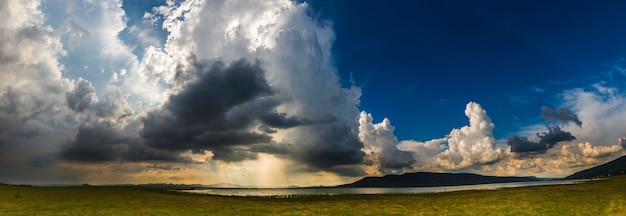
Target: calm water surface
<point>288,192</point>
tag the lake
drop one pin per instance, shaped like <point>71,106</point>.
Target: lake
<point>289,192</point>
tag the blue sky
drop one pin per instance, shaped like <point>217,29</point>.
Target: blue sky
<point>510,56</point>
<point>278,92</point>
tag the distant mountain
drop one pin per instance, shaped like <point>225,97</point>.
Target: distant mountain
<point>187,186</point>
<point>429,179</point>
<point>223,185</point>
<point>615,167</point>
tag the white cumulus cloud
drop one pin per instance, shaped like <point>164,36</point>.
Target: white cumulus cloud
<point>382,155</point>
<point>473,144</point>
<point>593,151</point>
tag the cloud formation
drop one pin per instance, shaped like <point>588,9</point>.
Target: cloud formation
<point>562,114</point>
<point>600,108</point>
<point>309,117</point>
<point>590,151</point>
<point>102,142</point>
<point>235,86</point>
<point>199,117</point>
<point>33,112</point>
<point>471,145</point>
<point>424,153</point>
<point>380,147</point>
<point>521,144</point>
<point>82,96</point>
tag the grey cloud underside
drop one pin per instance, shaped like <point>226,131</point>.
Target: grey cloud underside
<point>230,111</point>
<point>235,110</point>
<point>322,146</point>
<point>220,110</point>
<point>563,115</point>
<point>521,144</point>
<point>332,144</point>
<point>396,159</point>
<point>197,118</point>
<point>280,120</point>
<point>102,142</point>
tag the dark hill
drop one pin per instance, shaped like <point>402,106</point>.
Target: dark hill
<point>428,179</point>
<point>615,167</point>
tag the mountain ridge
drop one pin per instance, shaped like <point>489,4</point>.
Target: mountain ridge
<point>430,179</point>
<point>614,167</point>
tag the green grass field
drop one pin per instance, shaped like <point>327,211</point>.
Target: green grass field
<point>605,197</point>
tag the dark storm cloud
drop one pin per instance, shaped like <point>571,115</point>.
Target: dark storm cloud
<point>26,114</point>
<point>82,96</point>
<point>233,154</point>
<point>280,120</point>
<point>351,171</point>
<point>9,115</point>
<point>230,111</point>
<point>395,159</point>
<point>218,89</point>
<point>94,144</point>
<point>321,146</point>
<point>331,145</point>
<point>562,114</point>
<point>102,142</point>
<point>214,112</point>
<point>547,140</point>
<point>521,144</point>
<point>554,135</point>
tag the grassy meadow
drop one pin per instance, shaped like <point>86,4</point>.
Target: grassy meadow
<point>602,197</point>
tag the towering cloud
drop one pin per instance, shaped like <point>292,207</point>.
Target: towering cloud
<point>306,116</point>
<point>380,146</point>
<point>562,114</point>
<point>231,111</point>
<point>30,77</point>
<point>33,109</point>
<point>471,145</point>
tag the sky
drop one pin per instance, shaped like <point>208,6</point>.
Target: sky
<point>279,93</point>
